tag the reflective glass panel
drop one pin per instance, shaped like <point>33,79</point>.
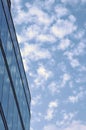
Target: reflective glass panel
<point>1,73</point>
<point>4,31</point>
<point>5,93</point>
<point>10,110</point>
<point>0,16</point>
<point>1,124</point>
<point>15,118</point>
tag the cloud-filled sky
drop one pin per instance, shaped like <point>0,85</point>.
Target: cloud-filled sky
<point>52,38</point>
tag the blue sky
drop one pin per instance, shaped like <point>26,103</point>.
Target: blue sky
<point>52,38</point>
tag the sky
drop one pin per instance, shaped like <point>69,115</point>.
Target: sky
<point>52,39</point>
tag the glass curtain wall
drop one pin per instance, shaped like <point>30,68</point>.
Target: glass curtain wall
<point>14,92</point>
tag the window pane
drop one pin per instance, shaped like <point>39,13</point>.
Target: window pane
<point>4,31</point>
<point>19,124</point>
<point>0,16</point>
<point>10,110</point>
<point>1,124</point>
<point>15,118</point>
<point>1,73</point>
<point>5,94</point>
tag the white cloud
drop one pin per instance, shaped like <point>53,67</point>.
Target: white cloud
<point>46,38</point>
<point>79,34</point>
<point>70,2</point>
<point>77,97</point>
<point>29,33</point>
<point>25,62</point>
<point>34,52</point>
<point>75,125</point>
<point>74,53</point>
<point>49,2</point>
<point>65,78</point>
<point>41,16</point>
<point>53,104</point>
<point>63,28</point>
<point>37,27</point>
<point>36,100</point>
<point>50,114</point>
<point>67,117</point>
<point>51,110</point>
<point>50,127</point>
<point>31,128</point>
<point>80,49</point>
<point>73,61</point>
<point>42,72</point>
<point>15,3</point>
<point>65,43</point>
<point>53,88</point>
<point>73,2</point>
<point>61,11</point>
<point>83,1</point>
<point>33,14</point>
<point>42,76</point>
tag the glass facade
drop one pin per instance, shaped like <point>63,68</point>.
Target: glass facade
<point>14,91</point>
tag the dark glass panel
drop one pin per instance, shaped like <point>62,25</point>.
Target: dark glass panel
<point>17,80</point>
<point>5,94</point>
<point>19,124</point>
<point>1,73</point>
<point>22,101</point>
<point>4,31</point>
<point>11,57</point>
<point>0,16</point>
<point>10,110</point>
<point>16,46</point>
<point>15,74</point>
<point>1,124</point>
<point>15,118</point>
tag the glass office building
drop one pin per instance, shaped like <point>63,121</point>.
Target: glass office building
<point>14,91</point>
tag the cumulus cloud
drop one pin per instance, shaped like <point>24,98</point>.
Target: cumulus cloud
<point>75,125</point>
<point>67,117</point>
<point>53,88</point>
<point>64,44</point>
<point>74,53</point>
<point>61,11</point>
<point>36,100</point>
<point>50,127</point>
<point>77,97</point>
<point>35,52</point>
<point>40,23</point>
<point>71,2</point>
<point>42,72</point>
<point>46,38</point>
<point>51,110</point>
<point>65,78</point>
<point>73,61</point>
<point>63,28</point>
<point>80,50</point>
<point>79,34</point>
<point>42,76</point>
